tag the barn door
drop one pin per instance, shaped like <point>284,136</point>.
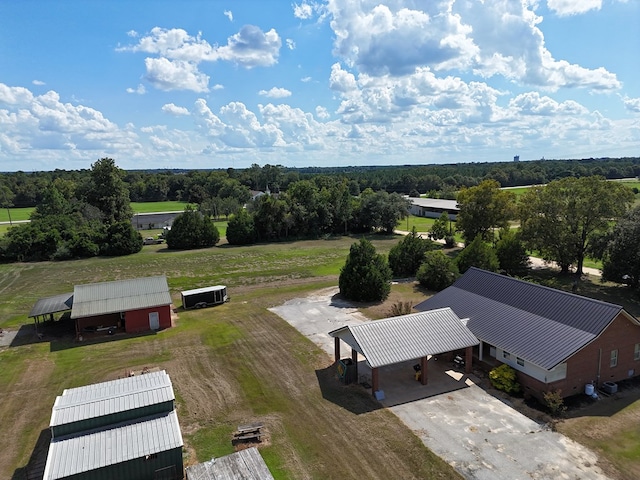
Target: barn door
<point>154,321</point>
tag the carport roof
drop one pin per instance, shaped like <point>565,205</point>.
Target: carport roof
<point>55,304</point>
<point>407,337</point>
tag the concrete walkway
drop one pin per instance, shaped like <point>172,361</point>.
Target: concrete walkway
<point>479,435</point>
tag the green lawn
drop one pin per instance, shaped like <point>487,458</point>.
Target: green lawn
<point>230,364</point>
<point>152,207</point>
<point>17,214</point>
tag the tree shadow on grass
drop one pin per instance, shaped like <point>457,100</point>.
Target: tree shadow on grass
<point>353,398</point>
<point>34,470</point>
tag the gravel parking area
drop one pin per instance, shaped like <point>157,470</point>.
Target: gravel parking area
<point>482,437</point>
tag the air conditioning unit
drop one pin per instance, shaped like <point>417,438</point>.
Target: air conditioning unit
<point>609,387</point>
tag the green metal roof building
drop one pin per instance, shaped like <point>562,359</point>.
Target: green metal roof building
<point>125,429</point>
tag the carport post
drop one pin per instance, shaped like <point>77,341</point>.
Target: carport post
<point>468,360</point>
<point>336,348</point>
<point>374,381</point>
<point>354,358</point>
<point>423,370</point>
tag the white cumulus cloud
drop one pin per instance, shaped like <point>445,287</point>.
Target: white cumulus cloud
<point>229,15</point>
<point>168,75</point>
<point>573,7</point>
<point>275,92</point>
<point>175,110</point>
<point>140,89</point>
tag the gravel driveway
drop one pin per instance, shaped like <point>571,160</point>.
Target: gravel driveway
<point>480,436</point>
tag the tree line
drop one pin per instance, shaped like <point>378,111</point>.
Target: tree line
<point>223,189</point>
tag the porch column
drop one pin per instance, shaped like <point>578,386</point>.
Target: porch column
<point>374,381</point>
<point>423,370</point>
<point>354,359</point>
<point>467,361</point>
<point>336,348</point>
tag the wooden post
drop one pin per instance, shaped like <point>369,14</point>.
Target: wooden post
<point>354,359</point>
<point>423,370</point>
<point>468,367</point>
<point>336,348</point>
<point>374,381</point>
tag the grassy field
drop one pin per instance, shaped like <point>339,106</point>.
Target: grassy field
<point>229,365</point>
<point>152,207</point>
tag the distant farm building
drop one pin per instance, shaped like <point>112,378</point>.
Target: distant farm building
<point>126,429</point>
<point>433,207</point>
<point>150,221</point>
<point>134,305</point>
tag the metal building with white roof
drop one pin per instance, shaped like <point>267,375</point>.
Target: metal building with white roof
<point>125,429</point>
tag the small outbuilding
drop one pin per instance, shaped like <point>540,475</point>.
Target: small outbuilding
<point>125,429</point>
<point>245,464</point>
<point>134,305</point>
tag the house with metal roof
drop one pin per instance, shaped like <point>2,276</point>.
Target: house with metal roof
<point>416,336</point>
<point>133,305</point>
<point>245,464</point>
<point>126,429</point>
<point>433,207</point>
<point>555,340</point>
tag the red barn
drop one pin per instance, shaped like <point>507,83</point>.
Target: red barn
<point>135,305</point>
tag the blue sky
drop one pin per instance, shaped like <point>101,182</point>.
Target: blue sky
<point>218,84</point>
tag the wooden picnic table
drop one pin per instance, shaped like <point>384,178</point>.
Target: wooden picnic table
<point>250,431</point>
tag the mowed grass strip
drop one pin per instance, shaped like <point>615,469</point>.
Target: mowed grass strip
<point>230,364</point>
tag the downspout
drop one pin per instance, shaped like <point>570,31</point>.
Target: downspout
<point>599,365</point>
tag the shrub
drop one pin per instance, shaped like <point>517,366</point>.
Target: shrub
<point>406,256</point>
<point>400,308</point>
<point>437,271</point>
<point>241,230</point>
<point>554,402</point>
<point>504,378</point>
<point>477,254</point>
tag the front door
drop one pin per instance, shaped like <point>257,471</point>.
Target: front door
<point>154,321</point>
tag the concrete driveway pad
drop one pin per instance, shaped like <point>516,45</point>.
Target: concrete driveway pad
<point>480,436</point>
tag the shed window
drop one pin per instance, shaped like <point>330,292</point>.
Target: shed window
<point>614,358</point>
<point>636,352</point>
<point>520,361</point>
<point>505,354</point>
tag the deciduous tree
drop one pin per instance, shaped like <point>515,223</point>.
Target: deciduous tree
<point>621,262</point>
<point>561,219</point>
<point>437,271</point>
<point>406,256</point>
<point>484,208</point>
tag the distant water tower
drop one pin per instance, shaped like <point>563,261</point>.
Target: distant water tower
<point>516,158</point>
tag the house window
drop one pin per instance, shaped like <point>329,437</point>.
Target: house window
<point>505,354</point>
<point>614,358</point>
<point>636,352</point>
<point>520,361</point>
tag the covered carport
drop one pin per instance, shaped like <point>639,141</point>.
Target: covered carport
<point>416,336</point>
<point>44,308</point>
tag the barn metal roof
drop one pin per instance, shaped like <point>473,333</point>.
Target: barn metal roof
<point>111,397</point>
<point>539,324</point>
<point>440,203</point>
<point>55,304</point>
<point>245,464</point>
<point>407,337</point>
<point>119,296</point>
<point>75,454</point>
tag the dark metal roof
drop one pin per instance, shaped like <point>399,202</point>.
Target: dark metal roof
<point>58,303</point>
<point>245,464</point>
<point>539,324</point>
<point>407,337</point>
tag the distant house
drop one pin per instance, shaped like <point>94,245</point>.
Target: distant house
<point>150,221</point>
<point>433,207</point>
<point>557,341</point>
<point>133,305</point>
<point>125,428</point>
